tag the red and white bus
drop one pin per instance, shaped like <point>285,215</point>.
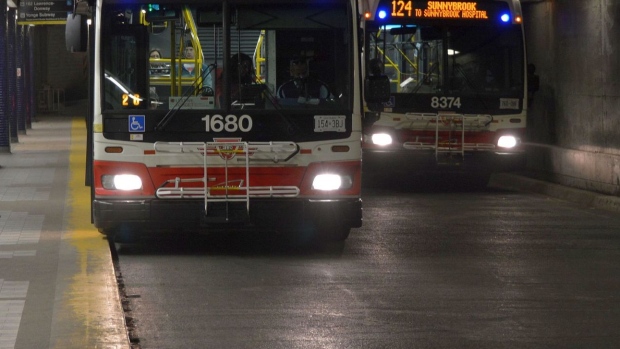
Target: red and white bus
<point>458,81</point>
<point>188,142</point>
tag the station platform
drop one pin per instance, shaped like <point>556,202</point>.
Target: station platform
<point>57,281</point>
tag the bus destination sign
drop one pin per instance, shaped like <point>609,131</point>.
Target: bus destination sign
<point>468,10</point>
<point>43,11</point>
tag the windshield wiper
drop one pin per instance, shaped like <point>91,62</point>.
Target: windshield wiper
<point>290,127</point>
<point>468,82</point>
<point>184,98</point>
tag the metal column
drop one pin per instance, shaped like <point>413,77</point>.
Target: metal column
<point>20,98</point>
<point>30,83</point>
<point>4,117</point>
<point>11,74</point>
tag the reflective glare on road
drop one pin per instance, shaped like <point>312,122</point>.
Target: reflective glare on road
<point>429,269</point>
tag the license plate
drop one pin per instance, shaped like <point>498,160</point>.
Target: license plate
<point>508,103</point>
<point>329,123</point>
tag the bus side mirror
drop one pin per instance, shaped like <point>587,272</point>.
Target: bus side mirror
<point>376,89</point>
<point>76,33</point>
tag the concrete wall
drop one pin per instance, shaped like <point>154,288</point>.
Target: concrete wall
<point>58,68</point>
<point>574,137</point>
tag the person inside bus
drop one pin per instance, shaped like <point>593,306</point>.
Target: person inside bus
<point>155,53</point>
<point>302,86</point>
<point>188,69</point>
<point>244,73</point>
<point>375,67</point>
<point>375,70</point>
<point>244,86</point>
<point>157,68</point>
<point>490,83</point>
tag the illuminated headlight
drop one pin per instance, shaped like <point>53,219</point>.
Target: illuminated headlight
<point>121,182</point>
<point>381,139</point>
<point>507,142</point>
<point>331,182</point>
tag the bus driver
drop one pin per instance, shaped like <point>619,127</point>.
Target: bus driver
<point>301,84</point>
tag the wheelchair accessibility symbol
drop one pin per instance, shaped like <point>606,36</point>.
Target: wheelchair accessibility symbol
<point>137,123</point>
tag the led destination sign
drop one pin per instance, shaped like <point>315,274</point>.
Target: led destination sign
<point>438,9</point>
<point>460,10</point>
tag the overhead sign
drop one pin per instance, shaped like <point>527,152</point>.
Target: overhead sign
<point>431,11</point>
<point>437,9</point>
<point>44,11</point>
<point>444,9</point>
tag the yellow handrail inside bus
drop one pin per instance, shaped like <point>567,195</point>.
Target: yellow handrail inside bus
<point>258,56</point>
<point>198,60</point>
<point>391,63</point>
<point>175,79</point>
<point>396,66</point>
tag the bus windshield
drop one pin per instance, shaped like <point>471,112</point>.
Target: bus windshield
<point>176,56</point>
<point>456,60</point>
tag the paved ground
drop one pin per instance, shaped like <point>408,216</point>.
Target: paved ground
<point>57,283</point>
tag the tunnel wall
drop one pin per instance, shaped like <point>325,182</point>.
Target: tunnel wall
<point>56,67</point>
<point>574,121</point>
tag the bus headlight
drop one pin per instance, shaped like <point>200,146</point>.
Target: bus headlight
<point>331,182</point>
<point>121,182</point>
<point>507,142</point>
<point>381,139</point>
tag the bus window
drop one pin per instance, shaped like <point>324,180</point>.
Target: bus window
<point>125,76</point>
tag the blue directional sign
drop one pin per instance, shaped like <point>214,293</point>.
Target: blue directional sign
<point>44,11</point>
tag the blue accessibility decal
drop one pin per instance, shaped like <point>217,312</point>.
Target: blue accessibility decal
<point>137,123</point>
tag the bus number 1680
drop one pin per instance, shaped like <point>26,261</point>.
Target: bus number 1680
<point>228,123</point>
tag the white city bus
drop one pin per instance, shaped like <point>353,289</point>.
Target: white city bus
<point>184,142</point>
<point>458,80</point>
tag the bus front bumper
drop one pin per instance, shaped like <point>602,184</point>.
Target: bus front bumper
<point>165,215</point>
<point>402,161</point>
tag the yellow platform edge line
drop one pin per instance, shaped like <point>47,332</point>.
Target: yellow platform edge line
<point>91,302</point>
